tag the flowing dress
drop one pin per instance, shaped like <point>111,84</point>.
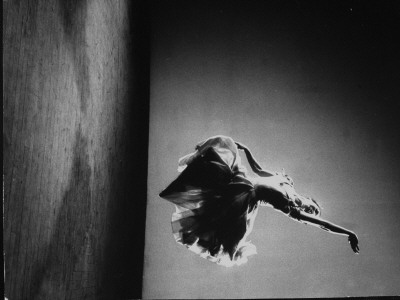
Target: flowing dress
<point>215,203</point>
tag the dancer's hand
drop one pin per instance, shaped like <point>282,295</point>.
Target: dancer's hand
<point>353,240</point>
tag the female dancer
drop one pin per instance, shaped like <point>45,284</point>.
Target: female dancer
<point>216,202</point>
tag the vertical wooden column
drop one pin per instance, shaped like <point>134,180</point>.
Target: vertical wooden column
<point>75,148</point>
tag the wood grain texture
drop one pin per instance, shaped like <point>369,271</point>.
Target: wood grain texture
<point>75,148</point>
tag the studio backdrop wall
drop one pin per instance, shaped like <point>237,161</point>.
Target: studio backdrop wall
<point>311,87</point>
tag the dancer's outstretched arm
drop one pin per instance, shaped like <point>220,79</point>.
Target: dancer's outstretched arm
<point>328,226</point>
<point>255,166</point>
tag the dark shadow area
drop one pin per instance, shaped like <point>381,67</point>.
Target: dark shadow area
<point>123,270</point>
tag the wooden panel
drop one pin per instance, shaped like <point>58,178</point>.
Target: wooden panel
<point>72,158</point>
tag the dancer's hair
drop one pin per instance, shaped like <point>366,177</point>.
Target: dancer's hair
<point>308,205</point>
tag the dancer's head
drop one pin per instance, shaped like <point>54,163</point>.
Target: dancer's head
<point>308,205</point>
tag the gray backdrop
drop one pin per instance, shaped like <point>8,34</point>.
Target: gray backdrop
<point>312,88</point>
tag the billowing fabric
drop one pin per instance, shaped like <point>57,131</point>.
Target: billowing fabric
<point>215,203</point>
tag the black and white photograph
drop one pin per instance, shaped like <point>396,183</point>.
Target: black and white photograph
<point>201,149</point>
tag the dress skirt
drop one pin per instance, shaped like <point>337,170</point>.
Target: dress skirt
<point>215,203</point>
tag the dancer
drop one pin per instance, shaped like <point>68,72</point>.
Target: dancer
<point>216,202</point>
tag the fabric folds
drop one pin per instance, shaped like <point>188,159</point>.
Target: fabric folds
<point>215,203</point>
